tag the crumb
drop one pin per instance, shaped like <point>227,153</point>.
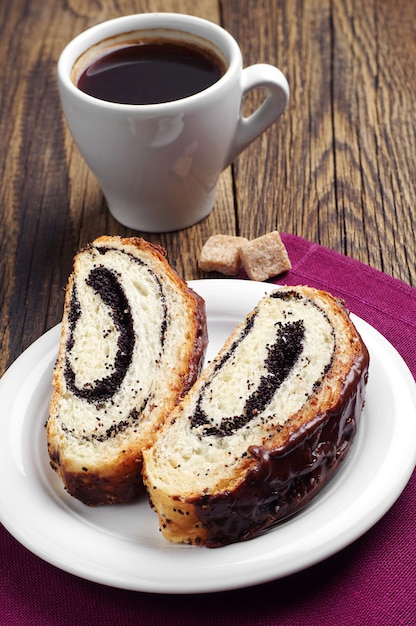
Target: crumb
<point>220,253</point>
<point>264,257</point>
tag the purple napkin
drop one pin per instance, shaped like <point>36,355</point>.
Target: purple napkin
<point>373,581</point>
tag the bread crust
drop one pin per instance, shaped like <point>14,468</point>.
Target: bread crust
<point>115,477</point>
<point>276,479</point>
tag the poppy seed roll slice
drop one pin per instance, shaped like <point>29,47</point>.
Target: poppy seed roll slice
<point>132,343</point>
<point>265,426</point>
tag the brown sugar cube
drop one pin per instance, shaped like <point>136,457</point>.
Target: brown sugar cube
<point>220,253</point>
<point>265,257</point>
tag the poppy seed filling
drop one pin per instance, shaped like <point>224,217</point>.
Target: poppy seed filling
<point>286,348</point>
<point>282,356</point>
<point>107,286</point>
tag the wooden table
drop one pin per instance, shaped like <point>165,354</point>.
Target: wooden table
<point>338,169</point>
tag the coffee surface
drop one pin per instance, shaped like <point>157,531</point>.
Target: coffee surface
<point>150,73</point>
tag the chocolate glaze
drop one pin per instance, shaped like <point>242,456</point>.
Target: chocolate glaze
<point>285,479</point>
<point>93,489</point>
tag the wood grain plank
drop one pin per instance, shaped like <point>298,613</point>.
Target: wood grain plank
<point>375,139</point>
<point>287,175</point>
<point>339,167</point>
<point>32,182</point>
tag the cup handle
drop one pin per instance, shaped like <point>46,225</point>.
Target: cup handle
<point>274,82</point>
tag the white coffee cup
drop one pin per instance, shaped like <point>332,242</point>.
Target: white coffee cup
<point>158,164</point>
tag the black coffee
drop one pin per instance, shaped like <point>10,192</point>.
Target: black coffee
<point>150,73</point>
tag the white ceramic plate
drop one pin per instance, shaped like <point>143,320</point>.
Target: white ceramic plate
<point>121,546</point>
